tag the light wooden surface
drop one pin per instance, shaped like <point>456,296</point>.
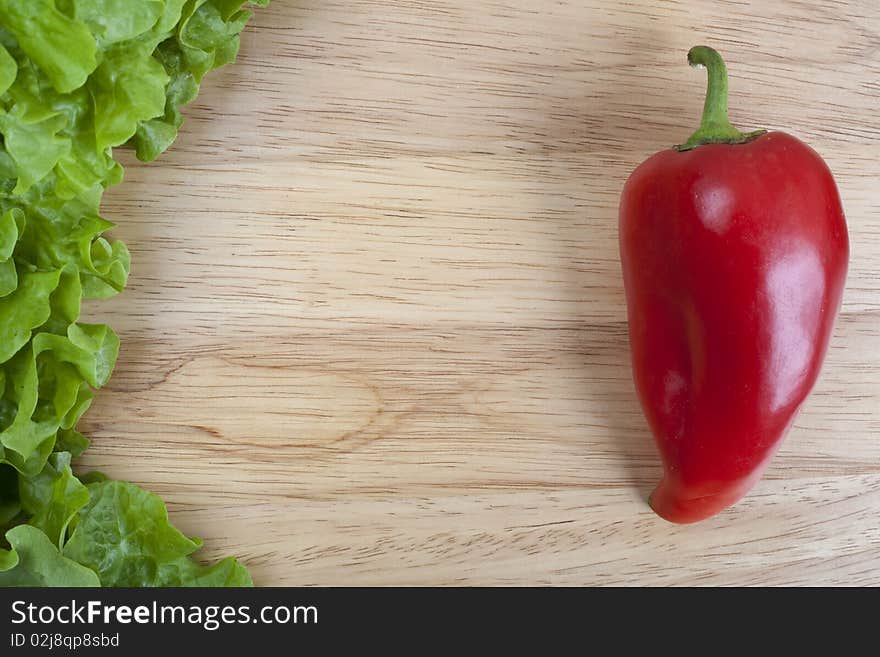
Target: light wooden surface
<point>375,331</point>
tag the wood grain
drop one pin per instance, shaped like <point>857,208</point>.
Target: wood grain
<point>375,331</point>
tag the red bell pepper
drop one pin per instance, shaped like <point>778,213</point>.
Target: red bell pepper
<point>734,251</point>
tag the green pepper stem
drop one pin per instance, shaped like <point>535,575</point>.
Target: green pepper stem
<point>715,127</point>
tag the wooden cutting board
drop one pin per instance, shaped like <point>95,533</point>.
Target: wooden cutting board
<point>375,331</point>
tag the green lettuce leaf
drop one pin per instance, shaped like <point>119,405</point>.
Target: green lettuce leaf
<point>205,38</point>
<point>127,88</point>
<point>124,535</point>
<point>25,309</point>
<point>112,21</point>
<point>62,47</point>
<point>35,561</point>
<point>8,70</point>
<point>53,497</point>
<point>186,572</point>
<point>77,79</point>
<point>11,226</point>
